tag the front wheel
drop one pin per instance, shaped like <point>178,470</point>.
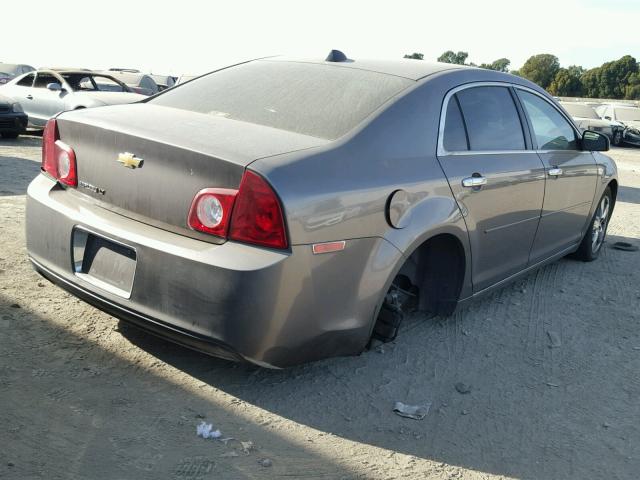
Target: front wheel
<point>594,237</point>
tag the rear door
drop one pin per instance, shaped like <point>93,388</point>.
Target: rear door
<point>571,176</point>
<point>496,179</point>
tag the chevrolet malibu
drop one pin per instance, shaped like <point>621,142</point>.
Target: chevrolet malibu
<point>281,211</point>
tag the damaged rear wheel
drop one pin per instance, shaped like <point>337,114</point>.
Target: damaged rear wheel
<point>402,298</point>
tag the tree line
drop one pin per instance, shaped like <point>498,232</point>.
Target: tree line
<point>617,79</point>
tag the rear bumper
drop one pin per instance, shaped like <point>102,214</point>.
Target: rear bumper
<point>13,122</point>
<point>235,301</point>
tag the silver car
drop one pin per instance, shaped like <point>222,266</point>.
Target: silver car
<point>45,93</point>
<point>12,70</point>
<point>296,208</point>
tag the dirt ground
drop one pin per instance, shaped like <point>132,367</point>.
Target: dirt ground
<point>552,362</point>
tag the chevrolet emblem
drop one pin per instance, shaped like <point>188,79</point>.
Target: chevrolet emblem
<point>129,160</point>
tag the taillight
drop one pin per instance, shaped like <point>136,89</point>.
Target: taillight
<point>211,210</point>
<point>251,214</point>
<point>58,158</point>
<point>257,217</point>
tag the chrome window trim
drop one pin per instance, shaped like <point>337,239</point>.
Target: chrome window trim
<point>442,152</point>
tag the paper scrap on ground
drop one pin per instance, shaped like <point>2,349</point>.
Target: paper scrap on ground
<point>417,412</point>
<point>205,430</point>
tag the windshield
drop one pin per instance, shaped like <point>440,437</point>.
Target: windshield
<point>628,114</point>
<point>583,111</point>
<point>324,101</point>
<point>81,82</point>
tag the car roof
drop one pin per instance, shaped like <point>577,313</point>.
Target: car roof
<point>60,71</point>
<point>407,68</point>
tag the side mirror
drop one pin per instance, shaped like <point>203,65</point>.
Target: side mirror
<point>607,118</point>
<point>594,141</point>
<point>54,87</point>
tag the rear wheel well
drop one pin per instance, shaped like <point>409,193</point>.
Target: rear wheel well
<point>437,268</point>
<point>429,280</point>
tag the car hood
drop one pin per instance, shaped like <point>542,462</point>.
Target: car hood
<point>596,122</point>
<point>111,98</point>
<point>634,125</point>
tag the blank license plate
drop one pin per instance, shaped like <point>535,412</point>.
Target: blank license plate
<point>104,263</point>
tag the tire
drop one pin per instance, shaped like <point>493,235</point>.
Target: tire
<point>594,237</point>
<point>10,135</point>
<point>617,138</point>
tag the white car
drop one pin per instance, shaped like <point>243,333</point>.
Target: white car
<point>586,117</point>
<point>45,93</point>
<point>625,114</point>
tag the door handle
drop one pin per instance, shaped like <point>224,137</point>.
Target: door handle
<point>555,172</point>
<point>473,182</point>
<point>30,97</point>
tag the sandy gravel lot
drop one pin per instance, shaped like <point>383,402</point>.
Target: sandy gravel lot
<point>83,396</point>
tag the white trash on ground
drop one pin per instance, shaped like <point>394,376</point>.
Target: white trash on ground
<point>205,430</point>
<point>417,412</point>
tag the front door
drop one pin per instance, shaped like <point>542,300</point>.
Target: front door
<point>497,182</point>
<point>571,177</point>
<point>46,103</point>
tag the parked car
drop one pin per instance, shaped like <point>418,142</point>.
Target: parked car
<point>13,120</point>
<point>5,78</point>
<point>45,93</point>
<point>588,119</point>
<point>138,82</point>
<point>626,115</point>
<point>280,211</point>
<point>163,81</point>
<point>13,70</point>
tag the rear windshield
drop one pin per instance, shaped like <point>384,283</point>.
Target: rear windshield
<point>312,99</point>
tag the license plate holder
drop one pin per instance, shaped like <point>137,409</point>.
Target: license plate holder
<point>105,263</point>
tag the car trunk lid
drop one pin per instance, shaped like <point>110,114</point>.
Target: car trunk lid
<point>147,162</point>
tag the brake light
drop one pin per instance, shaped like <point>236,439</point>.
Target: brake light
<point>257,216</point>
<point>211,210</point>
<point>58,158</point>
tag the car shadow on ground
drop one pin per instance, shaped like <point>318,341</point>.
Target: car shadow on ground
<point>628,194</point>
<point>71,409</point>
<point>550,363</point>
<point>16,174</point>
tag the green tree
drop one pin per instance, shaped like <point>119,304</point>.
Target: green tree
<point>567,82</point>
<point>451,57</point>
<point>415,56</point>
<point>611,79</point>
<point>632,90</point>
<point>541,69</point>
<point>500,65</point>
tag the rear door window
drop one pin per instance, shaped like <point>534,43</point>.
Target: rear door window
<point>26,81</point>
<point>491,119</point>
<point>455,135</point>
<point>552,131</point>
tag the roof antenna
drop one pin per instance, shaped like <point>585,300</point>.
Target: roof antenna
<point>336,56</point>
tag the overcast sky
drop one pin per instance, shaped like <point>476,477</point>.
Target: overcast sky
<point>190,36</point>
